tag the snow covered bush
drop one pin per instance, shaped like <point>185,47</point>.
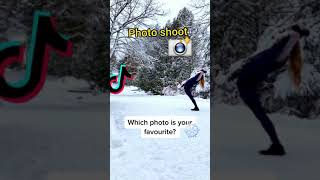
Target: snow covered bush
<point>203,92</point>
<point>148,81</point>
<point>302,101</point>
<point>169,91</point>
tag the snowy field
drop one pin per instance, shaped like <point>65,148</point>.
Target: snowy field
<point>60,135</point>
<point>56,136</point>
<point>134,158</point>
<point>238,136</point>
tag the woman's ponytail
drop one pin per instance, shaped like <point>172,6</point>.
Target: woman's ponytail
<point>295,65</point>
<point>202,82</point>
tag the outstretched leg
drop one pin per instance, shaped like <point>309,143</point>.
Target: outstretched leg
<point>187,89</point>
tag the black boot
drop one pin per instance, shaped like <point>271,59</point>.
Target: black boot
<point>195,109</point>
<point>275,150</point>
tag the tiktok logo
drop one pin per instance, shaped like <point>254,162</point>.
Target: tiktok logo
<point>121,79</point>
<point>44,39</point>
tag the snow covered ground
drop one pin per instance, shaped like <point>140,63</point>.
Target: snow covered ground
<point>134,158</point>
<point>57,136</point>
<point>237,137</point>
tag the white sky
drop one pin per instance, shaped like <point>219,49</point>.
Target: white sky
<point>172,7</point>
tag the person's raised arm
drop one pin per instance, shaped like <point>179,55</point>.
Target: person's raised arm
<point>200,75</point>
<point>294,38</point>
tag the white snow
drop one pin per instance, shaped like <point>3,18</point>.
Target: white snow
<point>55,136</point>
<point>131,91</point>
<point>134,158</point>
<point>237,137</point>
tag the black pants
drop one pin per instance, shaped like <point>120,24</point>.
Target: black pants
<point>187,89</point>
<point>248,93</point>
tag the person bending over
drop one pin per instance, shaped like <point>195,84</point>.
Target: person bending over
<point>257,69</point>
<point>190,83</point>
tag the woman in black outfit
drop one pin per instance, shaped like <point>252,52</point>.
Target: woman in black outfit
<point>250,76</point>
<point>193,81</point>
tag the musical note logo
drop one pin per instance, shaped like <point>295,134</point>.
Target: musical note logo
<point>121,79</point>
<point>44,39</point>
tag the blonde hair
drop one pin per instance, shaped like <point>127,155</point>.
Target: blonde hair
<point>202,82</point>
<point>295,64</point>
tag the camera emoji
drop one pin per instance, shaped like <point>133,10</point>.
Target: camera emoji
<point>179,47</point>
